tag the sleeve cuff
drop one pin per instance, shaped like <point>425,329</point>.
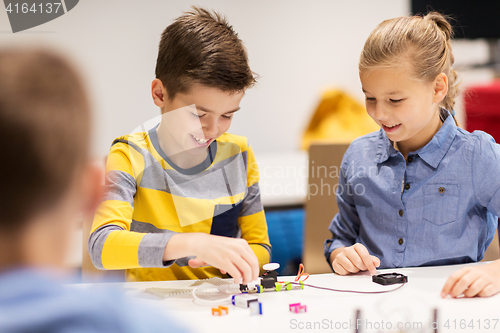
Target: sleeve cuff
<point>331,245</point>
<point>181,262</point>
<point>152,248</point>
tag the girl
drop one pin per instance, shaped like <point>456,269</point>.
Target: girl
<point>426,192</point>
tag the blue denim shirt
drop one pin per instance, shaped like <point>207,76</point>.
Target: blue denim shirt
<point>439,207</point>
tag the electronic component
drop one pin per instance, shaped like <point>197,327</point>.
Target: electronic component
<point>270,277</point>
<point>255,308</point>
<point>243,301</point>
<point>389,278</point>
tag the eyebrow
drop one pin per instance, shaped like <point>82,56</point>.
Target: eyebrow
<point>210,111</point>
<point>391,93</point>
<point>394,92</point>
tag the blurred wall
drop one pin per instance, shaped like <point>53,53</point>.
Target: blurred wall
<point>298,48</point>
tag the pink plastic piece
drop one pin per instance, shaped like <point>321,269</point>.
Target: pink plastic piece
<point>297,308</point>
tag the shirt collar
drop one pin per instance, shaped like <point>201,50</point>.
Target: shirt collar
<point>384,148</point>
<point>432,153</point>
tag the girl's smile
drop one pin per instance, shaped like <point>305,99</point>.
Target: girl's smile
<point>390,128</point>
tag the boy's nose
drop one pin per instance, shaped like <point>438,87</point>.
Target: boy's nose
<point>210,129</point>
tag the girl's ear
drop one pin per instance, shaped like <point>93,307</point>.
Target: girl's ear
<point>440,87</point>
<point>158,93</point>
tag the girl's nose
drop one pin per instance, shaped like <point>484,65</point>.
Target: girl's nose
<point>381,113</point>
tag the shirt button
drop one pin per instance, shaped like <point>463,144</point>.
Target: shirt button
<point>407,186</point>
<point>400,212</point>
<point>400,241</point>
<point>441,190</point>
<point>410,159</point>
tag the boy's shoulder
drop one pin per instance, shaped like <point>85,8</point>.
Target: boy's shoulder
<point>143,140</point>
<point>228,139</point>
<point>227,145</point>
<point>231,145</point>
<point>140,139</point>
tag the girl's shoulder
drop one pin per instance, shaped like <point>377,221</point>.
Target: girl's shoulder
<point>476,139</point>
<point>480,146</point>
<point>365,148</point>
<point>367,140</point>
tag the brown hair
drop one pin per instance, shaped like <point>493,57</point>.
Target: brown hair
<point>201,47</point>
<point>422,42</point>
<point>44,130</point>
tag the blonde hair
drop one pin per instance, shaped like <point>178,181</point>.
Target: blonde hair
<point>420,44</point>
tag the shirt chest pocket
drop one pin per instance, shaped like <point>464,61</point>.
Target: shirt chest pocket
<point>441,203</point>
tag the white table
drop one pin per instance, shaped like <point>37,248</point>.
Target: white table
<point>412,305</point>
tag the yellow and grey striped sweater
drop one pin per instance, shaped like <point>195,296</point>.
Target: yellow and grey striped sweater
<point>148,199</point>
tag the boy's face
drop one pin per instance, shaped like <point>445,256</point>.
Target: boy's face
<point>191,121</point>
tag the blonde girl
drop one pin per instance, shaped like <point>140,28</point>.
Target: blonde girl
<point>431,190</point>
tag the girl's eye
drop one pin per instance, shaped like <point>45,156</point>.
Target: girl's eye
<point>196,115</point>
<point>227,117</point>
<point>396,100</point>
<point>370,99</point>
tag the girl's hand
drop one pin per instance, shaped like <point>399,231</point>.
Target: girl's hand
<point>483,281</point>
<point>352,259</point>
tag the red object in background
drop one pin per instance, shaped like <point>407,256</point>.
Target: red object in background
<point>482,108</point>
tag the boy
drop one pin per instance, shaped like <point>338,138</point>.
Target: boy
<point>185,194</point>
<point>47,182</point>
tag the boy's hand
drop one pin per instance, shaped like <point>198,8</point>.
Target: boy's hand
<point>352,259</point>
<point>483,281</point>
<point>231,255</point>
<point>196,263</point>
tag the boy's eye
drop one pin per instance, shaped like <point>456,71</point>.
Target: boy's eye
<point>371,99</point>
<point>396,100</point>
<point>227,117</point>
<point>197,115</point>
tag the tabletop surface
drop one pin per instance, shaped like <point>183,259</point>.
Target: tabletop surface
<point>407,309</point>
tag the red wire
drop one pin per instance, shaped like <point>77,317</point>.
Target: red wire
<point>301,273</point>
